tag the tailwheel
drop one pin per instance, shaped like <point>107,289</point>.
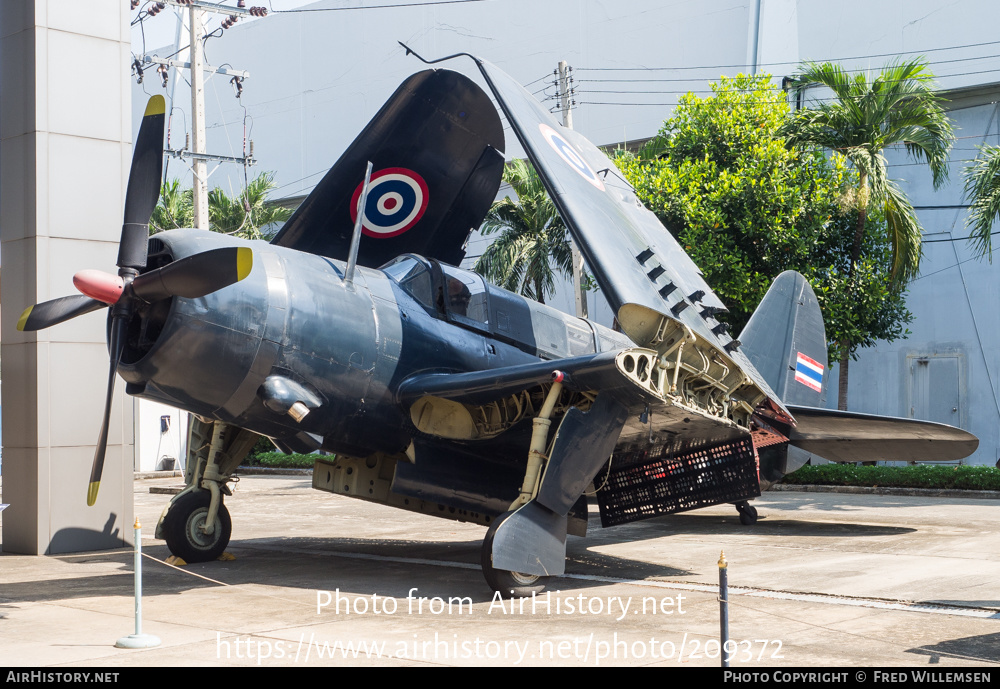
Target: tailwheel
<point>511,584</point>
<point>183,528</point>
<point>748,513</point>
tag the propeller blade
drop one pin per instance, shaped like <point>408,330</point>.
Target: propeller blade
<point>143,186</point>
<point>56,311</point>
<point>195,276</point>
<point>118,326</point>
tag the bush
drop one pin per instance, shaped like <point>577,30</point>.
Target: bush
<point>920,476</point>
<point>279,460</point>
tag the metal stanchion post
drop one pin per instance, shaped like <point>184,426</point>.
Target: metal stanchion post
<point>138,640</point>
<point>723,608</point>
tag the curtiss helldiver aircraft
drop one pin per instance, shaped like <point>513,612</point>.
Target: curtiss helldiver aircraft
<point>353,332</point>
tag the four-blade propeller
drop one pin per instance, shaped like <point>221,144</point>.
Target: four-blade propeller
<point>190,277</point>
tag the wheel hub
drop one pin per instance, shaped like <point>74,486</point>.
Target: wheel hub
<point>196,530</point>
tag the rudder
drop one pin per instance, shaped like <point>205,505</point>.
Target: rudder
<point>785,340</point>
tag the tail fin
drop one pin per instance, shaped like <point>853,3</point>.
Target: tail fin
<point>786,342</point>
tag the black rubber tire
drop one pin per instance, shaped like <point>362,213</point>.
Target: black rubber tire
<point>507,584</point>
<point>748,515</point>
<point>180,528</point>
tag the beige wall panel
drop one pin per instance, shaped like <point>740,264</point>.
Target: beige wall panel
<point>75,526</point>
<point>20,403</point>
<point>17,185</point>
<point>70,420</point>
<point>87,103</point>
<point>75,211</point>
<point>23,521</point>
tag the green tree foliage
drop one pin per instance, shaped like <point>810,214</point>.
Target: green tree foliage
<point>982,190</point>
<point>174,209</point>
<point>868,113</point>
<point>532,238</point>
<point>746,207</point>
<point>247,215</point>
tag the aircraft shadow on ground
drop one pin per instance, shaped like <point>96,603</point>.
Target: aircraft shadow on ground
<point>312,563</point>
<point>304,562</point>
<point>978,648</point>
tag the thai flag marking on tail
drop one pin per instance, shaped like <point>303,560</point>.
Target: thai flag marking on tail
<point>809,372</point>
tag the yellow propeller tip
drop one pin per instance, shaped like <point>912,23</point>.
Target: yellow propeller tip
<point>155,106</point>
<point>24,318</point>
<point>92,493</point>
<point>244,262</point>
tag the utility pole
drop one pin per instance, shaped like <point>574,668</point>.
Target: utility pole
<point>199,167</point>
<point>566,102</point>
<point>198,154</point>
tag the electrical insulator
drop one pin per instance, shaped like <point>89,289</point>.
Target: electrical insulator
<point>241,4</point>
<point>156,8</point>
<point>237,83</point>
<point>137,70</point>
<point>164,74</point>
<point>229,21</point>
<point>258,11</point>
<point>135,3</point>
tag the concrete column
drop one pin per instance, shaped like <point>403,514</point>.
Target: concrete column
<point>65,150</point>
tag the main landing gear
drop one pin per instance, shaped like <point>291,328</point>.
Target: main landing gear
<point>196,524</point>
<point>748,513</point>
<point>510,584</point>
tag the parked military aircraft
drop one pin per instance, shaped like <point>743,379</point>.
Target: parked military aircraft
<point>354,332</point>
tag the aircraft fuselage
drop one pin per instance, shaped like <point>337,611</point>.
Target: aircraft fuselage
<point>296,321</point>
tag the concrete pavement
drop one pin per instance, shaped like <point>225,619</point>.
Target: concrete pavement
<point>822,580</point>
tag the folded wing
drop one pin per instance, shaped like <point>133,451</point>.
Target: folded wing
<point>656,290</point>
<point>437,150</point>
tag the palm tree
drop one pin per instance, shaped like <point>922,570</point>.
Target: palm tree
<point>532,238</point>
<point>866,115</point>
<point>982,189</point>
<point>247,215</point>
<point>174,209</point>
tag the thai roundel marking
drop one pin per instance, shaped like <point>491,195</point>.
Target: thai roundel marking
<point>397,199</point>
<point>570,155</point>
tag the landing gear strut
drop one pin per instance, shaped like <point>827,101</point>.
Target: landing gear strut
<point>748,513</point>
<point>508,584</point>
<point>196,524</point>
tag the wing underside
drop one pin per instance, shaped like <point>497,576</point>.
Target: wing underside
<point>649,453</point>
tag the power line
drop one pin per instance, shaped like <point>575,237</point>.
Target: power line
<point>848,71</point>
<point>377,7</point>
<point>953,239</point>
<point>660,92</point>
<point>775,64</point>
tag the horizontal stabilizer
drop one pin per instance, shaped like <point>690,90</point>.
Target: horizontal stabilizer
<point>842,436</point>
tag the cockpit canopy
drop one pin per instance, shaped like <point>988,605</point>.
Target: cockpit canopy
<point>464,298</point>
